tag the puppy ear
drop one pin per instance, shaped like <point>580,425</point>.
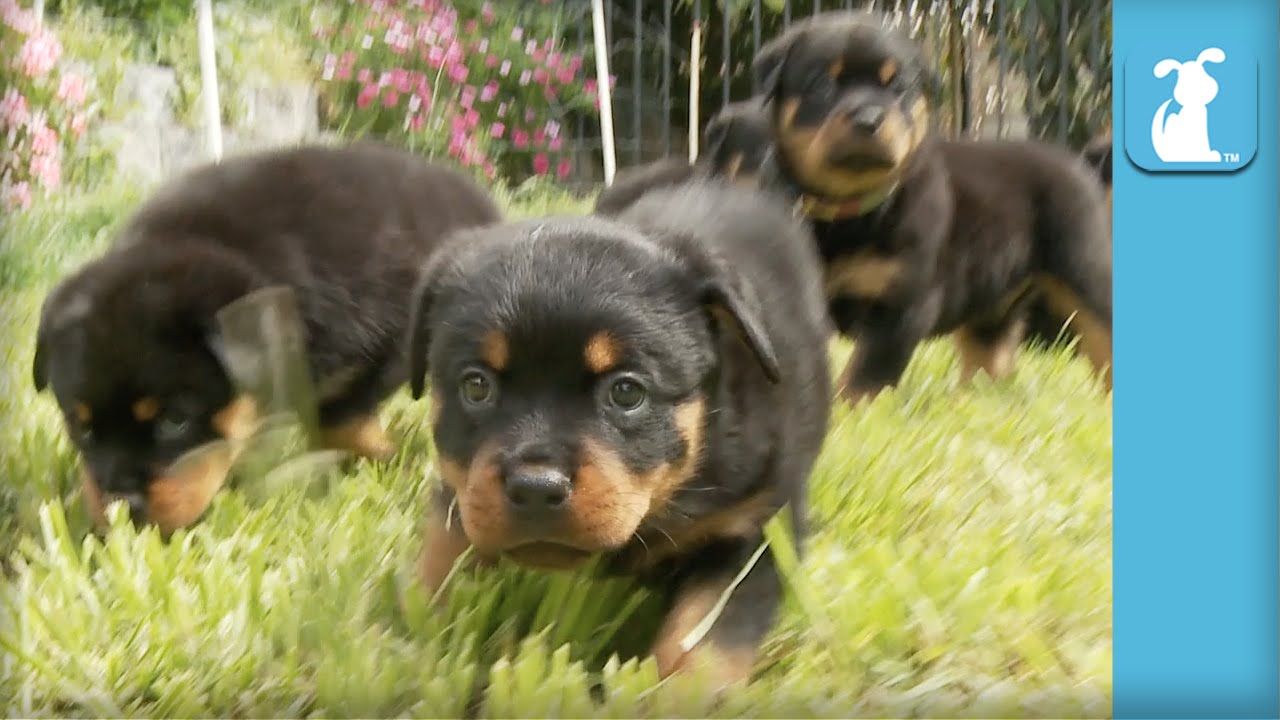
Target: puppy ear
<point>730,301</point>
<point>766,68</point>
<point>714,135</point>
<point>1164,67</point>
<point>422,300</point>
<point>1212,54</point>
<point>39,370</point>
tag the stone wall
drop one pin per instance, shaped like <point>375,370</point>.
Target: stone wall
<point>151,144</point>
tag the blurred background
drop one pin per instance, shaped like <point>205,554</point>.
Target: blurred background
<point>506,88</point>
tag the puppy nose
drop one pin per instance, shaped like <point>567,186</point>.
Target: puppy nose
<point>868,119</point>
<point>537,490</point>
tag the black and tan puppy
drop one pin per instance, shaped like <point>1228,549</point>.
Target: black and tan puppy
<point>1043,325</point>
<point>735,144</point>
<point>618,388</point>
<point>129,343</point>
<point>921,236</point>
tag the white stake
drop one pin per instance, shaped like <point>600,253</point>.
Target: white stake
<point>606,97</point>
<point>209,79</point>
<point>695,73</point>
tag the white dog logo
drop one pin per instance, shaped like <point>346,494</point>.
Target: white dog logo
<point>1184,135</point>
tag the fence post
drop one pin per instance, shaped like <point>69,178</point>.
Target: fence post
<point>606,97</point>
<point>38,9</point>
<point>695,73</point>
<point>209,79</point>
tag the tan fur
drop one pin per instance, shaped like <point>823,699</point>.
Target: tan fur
<point>1095,338</point>
<point>362,436</point>
<point>602,352</point>
<point>862,275</point>
<point>606,506</point>
<point>727,666</point>
<point>145,409</point>
<point>495,350</point>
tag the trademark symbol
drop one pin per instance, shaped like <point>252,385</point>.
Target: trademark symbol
<point>1230,157</point>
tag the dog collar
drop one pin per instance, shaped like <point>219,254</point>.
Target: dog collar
<point>817,208</point>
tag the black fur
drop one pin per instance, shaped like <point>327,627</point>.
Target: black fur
<point>742,340</point>
<point>735,144</point>
<point>968,229</point>
<point>345,228</point>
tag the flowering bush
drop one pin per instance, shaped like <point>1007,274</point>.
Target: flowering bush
<point>42,109</point>
<point>457,77</point>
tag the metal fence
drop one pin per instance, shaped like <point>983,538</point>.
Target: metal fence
<point>1009,68</point>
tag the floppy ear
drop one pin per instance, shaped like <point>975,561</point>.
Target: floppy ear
<point>39,371</point>
<point>1212,54</point>
<point>766,67</point>
<point>714,135</point>
<point>731,301</point>
<point>419,342</point>
<point>1164,67</point>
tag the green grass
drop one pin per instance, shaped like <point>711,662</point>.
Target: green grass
<point>961,566</point>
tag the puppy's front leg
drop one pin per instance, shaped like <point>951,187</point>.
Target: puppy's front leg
<point>880,356</point>
<point>730,647</point>
<point>443,543</point>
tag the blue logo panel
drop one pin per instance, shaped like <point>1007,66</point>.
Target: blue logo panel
<point>1191,103</point>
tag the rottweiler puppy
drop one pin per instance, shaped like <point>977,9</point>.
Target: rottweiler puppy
<point>735,144</point>
<point>618,388</point>
<point>1043,326</point>
<point>922,236</point>
<point>129,343</point>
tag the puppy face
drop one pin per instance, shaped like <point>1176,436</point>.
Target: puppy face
<point>568,361</point>
<point>849,104</point>
<point>124,346</point>
<point>737,140</point>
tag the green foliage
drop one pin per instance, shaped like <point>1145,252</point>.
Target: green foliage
<point>960,565</point>
<point>151,20</point>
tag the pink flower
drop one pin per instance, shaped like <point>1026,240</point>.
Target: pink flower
<point>24,21</point>
<point>435,56</point>
<point>502,109</point>
<point>530,46</point>
<point>47,170</point>
<point>486,13</point>
<point>77,124</point>
<point>539,136</point>
<point>470,26</point>
<point>39,54</point>
<point>505,69</point>
<point>391,99</point>
<point>489,92</point>
<point>563,168</point>
<point>13,109</point>
<point>524,77</point>
<point>458,73</point>
<point>71,89</point>
<point>540,76</point>
<point>468,97</point>
<point>44,141</point>
<point>517,33</point>
<point>541,164</point>
<point>401,81</point>
<point>18,195</point>
<point>416,122</point>
<point>491,60</point>
<point>554,145</point>
<point>529,115</point>
<point>519,139</point>
<point>472,119</point>
<point>366,96</point>
<point>363,75</point>
<point>589,86</point>
<point>497,130</point>
<point>564,76</point>
<point>344,72</point>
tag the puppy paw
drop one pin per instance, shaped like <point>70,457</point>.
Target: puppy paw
<point>362,436</point>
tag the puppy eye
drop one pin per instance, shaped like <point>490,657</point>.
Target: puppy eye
<point>627,394</point>
<point>476,387</point>
<point>172,426</point>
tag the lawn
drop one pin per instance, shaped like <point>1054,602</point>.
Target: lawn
<point>961,566</point>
